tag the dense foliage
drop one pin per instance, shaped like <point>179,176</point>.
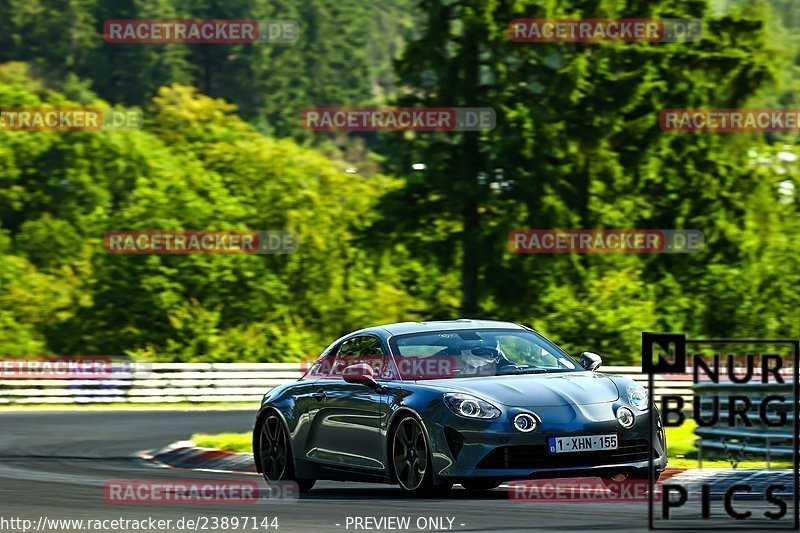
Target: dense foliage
<point>577,145</point>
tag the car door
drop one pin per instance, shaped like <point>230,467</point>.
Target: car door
<point>347,424</point>
<point>303,404</point>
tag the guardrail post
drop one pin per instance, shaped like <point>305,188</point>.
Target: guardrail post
<point>699,443</point>
<point>768,457</point>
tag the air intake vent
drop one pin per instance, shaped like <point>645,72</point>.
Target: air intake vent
<point>455,441</point>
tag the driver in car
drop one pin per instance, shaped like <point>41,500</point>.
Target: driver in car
<point>482,360</point>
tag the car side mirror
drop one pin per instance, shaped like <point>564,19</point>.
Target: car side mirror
<point>361,373</point>
<point>591,361</point>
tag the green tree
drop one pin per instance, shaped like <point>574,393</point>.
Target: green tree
<point>577,144</point>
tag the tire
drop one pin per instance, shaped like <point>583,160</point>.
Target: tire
<point>479,484</point>
<point>410,457</point>
<point>275,454</point>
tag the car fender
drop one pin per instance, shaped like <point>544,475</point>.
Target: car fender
<point>395,417</point>
<point>414,399</point>
<point>265,410</point>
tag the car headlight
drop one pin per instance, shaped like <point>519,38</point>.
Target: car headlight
<point>637,396</point>
<point>625,417</point>
<point>470,406</point>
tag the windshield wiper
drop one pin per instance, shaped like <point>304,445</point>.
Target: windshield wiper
<point>521,370</point>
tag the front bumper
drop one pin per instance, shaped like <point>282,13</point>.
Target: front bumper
<point>494,449</point>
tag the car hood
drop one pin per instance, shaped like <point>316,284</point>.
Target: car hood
<point>530,390</point>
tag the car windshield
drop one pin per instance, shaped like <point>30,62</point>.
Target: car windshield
<point>478,352</point>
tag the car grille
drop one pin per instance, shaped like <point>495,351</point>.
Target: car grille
<point>538,456</point>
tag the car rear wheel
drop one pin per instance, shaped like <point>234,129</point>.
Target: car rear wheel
<point>411,459</point>
<point>275,454</point>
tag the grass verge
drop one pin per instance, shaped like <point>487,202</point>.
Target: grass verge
<point>235,442</point>
<point>683,454</point>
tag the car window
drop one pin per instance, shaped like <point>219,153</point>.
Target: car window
<point>362,346</point>
<point>321,367</point>
<point>519,350</point>
<point>363,349</point>
<point>464,353</point>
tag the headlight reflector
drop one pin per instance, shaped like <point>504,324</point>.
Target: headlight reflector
<point>470,406</point>
<point>525,422</point>
<point>637,396</point>
<point>625,417</point>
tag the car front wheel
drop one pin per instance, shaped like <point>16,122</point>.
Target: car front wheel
<point>411,459</point>
<point>275,454</point>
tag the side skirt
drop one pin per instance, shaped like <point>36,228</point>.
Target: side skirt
<point>307,469</point>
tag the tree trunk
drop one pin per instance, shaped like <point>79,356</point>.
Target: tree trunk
<point>470,166</point>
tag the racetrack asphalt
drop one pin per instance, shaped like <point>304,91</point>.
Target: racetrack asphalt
<point>56,464</point>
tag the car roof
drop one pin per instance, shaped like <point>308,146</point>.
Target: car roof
<point>386,331</point>
<point>402,328</point>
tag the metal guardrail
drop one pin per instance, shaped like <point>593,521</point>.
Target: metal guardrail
<point>144,383</point>
<point>736,442</point>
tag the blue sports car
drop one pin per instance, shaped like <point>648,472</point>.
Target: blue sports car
<point>426,405</point>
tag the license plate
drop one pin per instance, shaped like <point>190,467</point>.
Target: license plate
<point>586,443</point>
